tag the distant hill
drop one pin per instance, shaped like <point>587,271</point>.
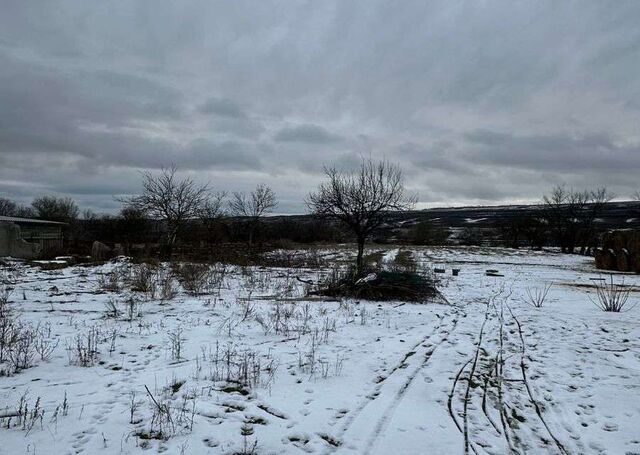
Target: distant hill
<point>616,215</point>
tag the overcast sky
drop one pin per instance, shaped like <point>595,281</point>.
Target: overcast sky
<point>480,102</point>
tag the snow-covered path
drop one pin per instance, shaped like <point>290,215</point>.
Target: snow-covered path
<point>389,401</point>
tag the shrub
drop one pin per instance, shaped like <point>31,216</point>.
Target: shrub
<point>168,290</point>
<point>427,233</point>
<point>404,262</point>
<point>112,280</point>
<point>22,350</point>
<point>193,277</point>
<point>167,419</point>
<point>143,279</point>
<point>612,296</point>
<point>536,297</point>
<point>83,348</point>
<point>175,341</point>
<point>111,309</point>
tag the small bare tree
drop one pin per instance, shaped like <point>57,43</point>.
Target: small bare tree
<point>361,200</point>
<point>168,198</point>
<point>56,209</point>
<point>597,201</point>
<point>256,204</point>
<point>11,208</point>
<point>560,210</point>
<point>572,215</point>
<point>7,207</point>
<point>211,212</point>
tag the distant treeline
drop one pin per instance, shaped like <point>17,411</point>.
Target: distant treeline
<point>573,221</point>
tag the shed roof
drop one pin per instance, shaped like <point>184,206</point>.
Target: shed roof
<point>15,219</point>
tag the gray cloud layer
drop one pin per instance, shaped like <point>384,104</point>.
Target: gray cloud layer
<point>478,101</point>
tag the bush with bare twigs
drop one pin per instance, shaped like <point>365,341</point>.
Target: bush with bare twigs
<point>193,277</point>
<point>25,416</point>
<point>144,280</point>
<point>169,419</point>
<point>611,296</point>
<point>7,322</point>
<point>536,297</point>
<point>167,286</point>
<point>20,344</point>
<point>83,348</point>
<point>113,280</point>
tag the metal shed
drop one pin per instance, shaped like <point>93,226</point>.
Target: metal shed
<point>28,238</point>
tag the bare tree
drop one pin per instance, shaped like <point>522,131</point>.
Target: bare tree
<point>24,211</point>
<point>572,216</point>
<point>53,208</point>
<point>362,199</point>
<point>168,198</point>
<point>7,207</point>
<point>212,212</point>
<point>256,204</point>
<point>597,201</point>
<point>11,208</point>
<point>636,196</point>
<point>560,209</point>
<point>89,215</point>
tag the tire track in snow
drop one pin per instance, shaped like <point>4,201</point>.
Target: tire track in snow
<point>473,361</point>
<point>377,392</point>
<point>532,399</point>
<point>472,368</point>
<point>472,364</point>
<point>383,422</point>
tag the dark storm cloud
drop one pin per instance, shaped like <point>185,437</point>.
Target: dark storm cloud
<point>478,101</point>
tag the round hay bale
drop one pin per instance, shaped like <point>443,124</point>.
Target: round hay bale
<point>622,260</point>
<point>606,259</point>
<point>635,262</point>
<point>606,240</point>
<point>618,241</point>
<point>634,243</point>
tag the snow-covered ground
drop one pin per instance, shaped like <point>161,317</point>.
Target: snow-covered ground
<point>486,373</point>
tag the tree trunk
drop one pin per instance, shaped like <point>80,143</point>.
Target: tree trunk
<point>167,252</point>
<point>360,258</point>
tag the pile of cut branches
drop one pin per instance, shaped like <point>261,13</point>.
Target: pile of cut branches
<point>383,286</point>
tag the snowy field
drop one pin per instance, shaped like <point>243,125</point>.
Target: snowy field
<point>250,365</point>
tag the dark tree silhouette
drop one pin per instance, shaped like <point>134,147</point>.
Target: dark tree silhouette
<point>362,199</point>
<point>256,204</point>
<point>168,198</point>
<point>56,209</point>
